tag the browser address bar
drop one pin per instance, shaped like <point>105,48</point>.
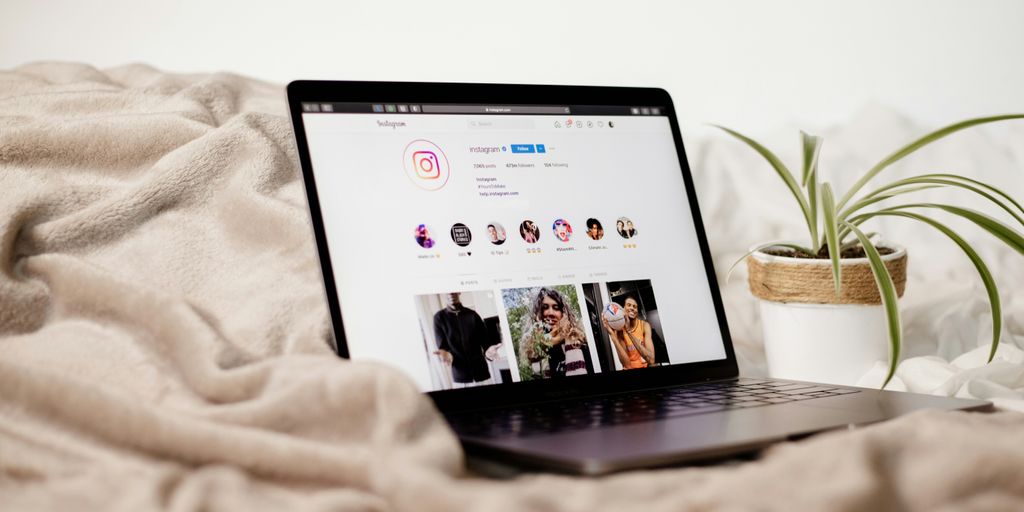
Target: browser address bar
<point>493,109</point>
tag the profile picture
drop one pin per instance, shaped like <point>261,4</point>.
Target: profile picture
<point>594,229</point>
<point>547,331</point>
<point>562,230</point>
<point>424,236</point>
<point>529,231</point>
<point>462,339</point>
<point>496,233</point>
<point>461,234</point>
<point>625,228</point>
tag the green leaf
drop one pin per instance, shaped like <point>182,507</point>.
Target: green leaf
<point>935,180</point>
<point>856,221</point>
<point>879,197</point>
<point>1001,231</point>
<point>812,147</point>
<point>979,264</point>
<point>853,243</point>
<point>900,153</point>
<point>795,247</point>
<point>828,208</point>
<point>887,290</point>
<point>980,184</point>
<point>812,200</point>
<point>780,169</point>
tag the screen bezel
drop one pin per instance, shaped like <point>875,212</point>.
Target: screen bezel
<point>502,395</point>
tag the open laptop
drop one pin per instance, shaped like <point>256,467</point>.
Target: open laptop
<point>533,258</point>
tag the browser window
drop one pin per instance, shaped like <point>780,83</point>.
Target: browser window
<point>478,245</point>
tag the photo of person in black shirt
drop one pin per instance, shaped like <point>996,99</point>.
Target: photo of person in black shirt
<point>464,347</point>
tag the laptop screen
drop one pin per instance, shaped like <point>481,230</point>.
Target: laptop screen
<point>480,245</point>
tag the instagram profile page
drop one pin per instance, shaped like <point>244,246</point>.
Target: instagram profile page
<point>475,250</point>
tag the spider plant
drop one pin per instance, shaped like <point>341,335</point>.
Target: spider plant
<point>835,224</point>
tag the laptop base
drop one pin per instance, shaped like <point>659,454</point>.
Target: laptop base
<point>696,438</point>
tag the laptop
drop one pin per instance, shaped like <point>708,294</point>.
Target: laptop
<point>534,259</point>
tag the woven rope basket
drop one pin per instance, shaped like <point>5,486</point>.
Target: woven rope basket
<point>781,279</point>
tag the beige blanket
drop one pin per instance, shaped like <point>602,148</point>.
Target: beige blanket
<point>164,341</point>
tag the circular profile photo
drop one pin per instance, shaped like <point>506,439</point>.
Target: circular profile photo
<point>594,229</point>
<point>529,231</point>
<point>496,233</point>
<point>625,228</point>
<point>562,230</point>
<point>461,234</point>
<point>424,236</point>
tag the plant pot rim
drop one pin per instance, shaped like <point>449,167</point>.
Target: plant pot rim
<point>898,252</point>
<point>811,281</point>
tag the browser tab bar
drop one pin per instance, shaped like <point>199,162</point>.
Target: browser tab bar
<point>405,108</point>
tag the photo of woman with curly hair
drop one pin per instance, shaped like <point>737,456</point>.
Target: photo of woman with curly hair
<point>547,332</point>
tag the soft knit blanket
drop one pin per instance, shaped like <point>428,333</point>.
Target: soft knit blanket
<point>164,340</point>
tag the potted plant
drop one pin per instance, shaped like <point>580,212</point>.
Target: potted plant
<point>822,299</point>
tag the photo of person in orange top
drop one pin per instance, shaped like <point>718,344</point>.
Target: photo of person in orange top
<point>624,319</point>
<point>633,341</point>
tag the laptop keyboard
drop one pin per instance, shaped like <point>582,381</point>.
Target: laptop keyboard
<point>636,407</point>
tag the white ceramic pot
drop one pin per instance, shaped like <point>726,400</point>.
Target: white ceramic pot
<point>831,343</point>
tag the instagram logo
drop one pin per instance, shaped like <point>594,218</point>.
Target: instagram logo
<point>426,165</point>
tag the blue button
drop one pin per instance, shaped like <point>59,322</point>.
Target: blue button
<point>522,148</point>
<point>541,148</point>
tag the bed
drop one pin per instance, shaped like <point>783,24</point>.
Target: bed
<point>164,342</point>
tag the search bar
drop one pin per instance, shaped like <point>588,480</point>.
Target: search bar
<point>507,123</point>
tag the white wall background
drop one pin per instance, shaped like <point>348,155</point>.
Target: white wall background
<point>749,64</point>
